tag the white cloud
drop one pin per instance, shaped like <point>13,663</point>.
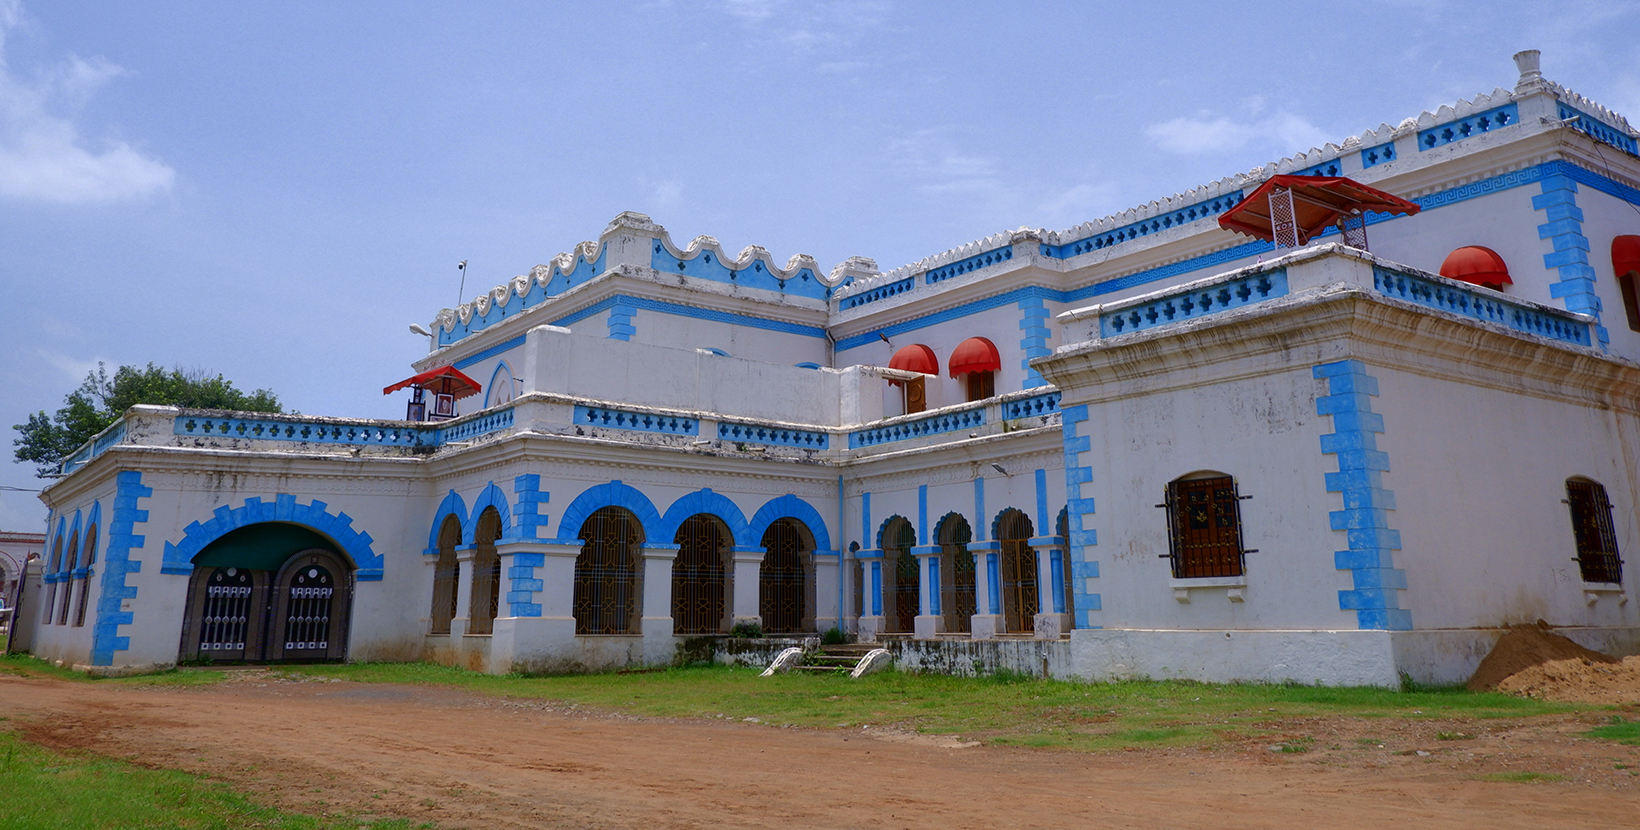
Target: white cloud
<point>1281,132</point>
<point>43,157</point>
<point>73,369</point>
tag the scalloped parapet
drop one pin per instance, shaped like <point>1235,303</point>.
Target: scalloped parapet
<point>753,267</point>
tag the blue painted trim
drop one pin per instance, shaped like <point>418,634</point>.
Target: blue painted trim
<point>452,505</point>
<point>1365,517</point>
<point>969,265</point>
<point>979,509</point>
<point>777,436</point>
<point>178,558</point>
<point>612,494</point>
<point>789,507</point>
<point>922,514</point>
<point>520,597</point>
<point>529,523</point>
<point>94,447</point>
<point>122,540</point>
<point>1079,512</point>
<point>881,292</point>
<point>489,393</point>
<point>1327,168</point>
<point>712,504</point>
<point>877,587</point>
<point>1042,525</point>
<point>621,326</point>
<point>1056,579</point>
<point>490,496</point>
<point>882,529</point>
<point>328,431</point>
<point>993,581</point>
<point>1379,154</point>
<point>492,351</point>
<point>1034,322</point>
<point>808,364</point>
<point>865,516</point>
<point>558,282</point>
<point>613,418</point>
<point>760,274</point>
<point>1452,132</point>
<point>88,542</point>
<point>1570,248</point>
<point>677,309</point>
<point>1462,301</point>
<point>934,585</point>
<point>1196,303</point>
<point>1183,216</point>
<point>922,427</point>
<point>1599,130</point>
<point>1031,407</point>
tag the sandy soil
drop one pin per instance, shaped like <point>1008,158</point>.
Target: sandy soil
<point>467,760</point>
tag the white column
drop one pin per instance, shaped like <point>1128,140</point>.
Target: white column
<point>1048,624</point>
<point>464,592</point>
<point>871,621</point>
<point>542,642</point>
<point>986,622</point>
<point>655,623</point>
<point>927,623</point>
<point>746,604</point>
<point>826,573</point>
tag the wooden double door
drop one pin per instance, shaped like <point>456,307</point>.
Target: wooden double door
<point>298,613</point>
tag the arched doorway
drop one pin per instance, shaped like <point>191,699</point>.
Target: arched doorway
<point>446,573</point>
<point>486,596</point>
<point>784,585</point>
<point>1019,599</point>
<point>904,583</point>
<point>700,575</point>
<point>959,600</point>
<point>606,573</point>
<point>266,592</point>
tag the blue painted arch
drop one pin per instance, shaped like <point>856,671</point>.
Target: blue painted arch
<point>451,506</point>
<point>952,519</point>
<point>490,496</point>
<point>88,542</point>
<point>882,530</point>
<point>71,548</point>
<point>704,501</point>
<point>612,494</point>
<point>789,507</point>
<point>178,557</point>
<point>996,522</point>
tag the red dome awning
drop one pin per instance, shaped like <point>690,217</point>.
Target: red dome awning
<point>1477,266</point>
<point>976,354</point>
<point>445,380</point>
<point>915,358</point>
<point>1625,254</point>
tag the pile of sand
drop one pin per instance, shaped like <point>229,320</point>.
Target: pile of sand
<point>1532,661</point>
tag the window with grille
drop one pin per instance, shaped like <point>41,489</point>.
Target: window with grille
<point>783,579</point>
<point>1597,556</point>
<point>1018,572</point>
<point>486,596</point>
<point>699,574</point>
<point>86,562</point>
<point>606,574</point>
<point>1204,527</point>
<point>446,572</point>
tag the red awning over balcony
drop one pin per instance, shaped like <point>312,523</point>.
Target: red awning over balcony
<point>1319,202</point>
<point>445,380</point>
<point>1477,266</point>
<point>915,358</point>
<point>976,354</point>
<point>1625,254</point>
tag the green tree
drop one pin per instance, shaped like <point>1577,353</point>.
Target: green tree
<point>100,401</point>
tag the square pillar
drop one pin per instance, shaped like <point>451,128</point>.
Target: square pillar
<point>987,621</point>
<point>745,605</point>
<point>871,621</point>
<point>1052,619</point>
<point>464,593</point>
<point>535,630</point>
<point>655,614</point>
<point>827,591</point>
<point>929,621</point>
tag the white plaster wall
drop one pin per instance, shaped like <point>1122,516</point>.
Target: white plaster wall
<point>744,342</point>
<point>69,644</point>
<point>1000,324</point>
<point>1334,658</point>
<point>1479,476</point>
<point>1604,219</point>
<point>1263,431</point>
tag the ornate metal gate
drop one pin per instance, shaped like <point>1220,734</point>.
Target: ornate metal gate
<point>907,591</point>
<point>230,615</point>
<point>783,583</point>
<point>961,602</point>
<point>310,595</point>
<point>605,574</point>
<point>698,578</point>
<point>1019,588</point>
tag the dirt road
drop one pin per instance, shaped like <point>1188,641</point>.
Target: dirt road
<point>467,760</point>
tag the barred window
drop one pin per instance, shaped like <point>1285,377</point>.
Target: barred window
<point>1204,527</point>
<point>446,572</point>
<point>86,562</point>
<point>486,596</point>
<point>606,573</point>
<point>1597,556</point>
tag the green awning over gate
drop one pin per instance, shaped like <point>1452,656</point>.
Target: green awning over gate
<point>261,547</point>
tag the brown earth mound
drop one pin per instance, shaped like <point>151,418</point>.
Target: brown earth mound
<point>1578,681</point>
<point>1522,648</point>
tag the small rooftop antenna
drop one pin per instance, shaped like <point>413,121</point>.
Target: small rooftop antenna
<point>462,267</point>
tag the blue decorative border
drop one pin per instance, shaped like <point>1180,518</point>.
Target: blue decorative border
<point>881,292</point>
<point>492,351</point>
<point>621,326</point>
<point>1034,326</point>
<point>1195,303</point>
<point>969,265</point>
<point>1135,230</point>
<point>1599,130</point>
<point>1326,168</point>
<point>95,447</point>
<point>790,507</point>
<point>777,436</point>
<point>1374,156</point>
<point>350,434</point>
<point>1031,407</point>
<point>935,425</point>
<point>613,418</point>
<point>528,520</point>
<point>1078,509</point>
<point>707,265</point>
<point>521,593</point>
<point>1473,304</point>
<point>178,559</point>
<point>1469,126</point>
<point>1570,258</point>
<point>610,494</point>
<point>122,540</point>
<point>1365,517</point>
<point>557,284</point>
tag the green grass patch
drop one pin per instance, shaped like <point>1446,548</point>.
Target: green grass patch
<point>45,790</point>
<point>1619,730</point>
<point>1009,709</point>
<point>23,665</point>
<point>1521,777</point>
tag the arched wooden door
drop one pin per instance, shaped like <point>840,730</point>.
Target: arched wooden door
<point>268,592</point>
<point>312,598</point>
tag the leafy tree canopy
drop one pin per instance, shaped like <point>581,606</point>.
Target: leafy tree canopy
<point>46,440</point>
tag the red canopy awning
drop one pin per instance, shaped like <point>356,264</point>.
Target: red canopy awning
<point>1625,254</point>
<point>1318,201</point>
<point>976,354</point>
<point>1477,266</point>
<point>915,358</point>
<point>445,380</point>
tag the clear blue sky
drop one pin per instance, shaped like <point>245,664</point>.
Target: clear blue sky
<point>273,191</point>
